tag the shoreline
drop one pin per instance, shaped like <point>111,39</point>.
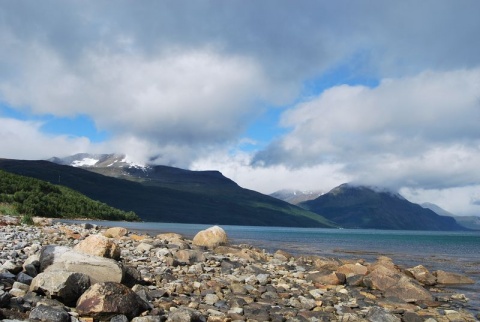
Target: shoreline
<point>273,275</point>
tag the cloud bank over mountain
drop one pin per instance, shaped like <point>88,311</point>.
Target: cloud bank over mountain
<point>370,92</point>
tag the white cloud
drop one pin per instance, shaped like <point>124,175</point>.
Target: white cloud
<point>24,140</point>
<point>459,201</point>
<point>189,99</point>
<point>267,180</point>
<point>414,131</point>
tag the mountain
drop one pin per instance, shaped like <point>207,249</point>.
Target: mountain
<point>470,222</point>
<point>437,209</point>
<point>366,207</point>
<point>88,160</point>
<point>296,196</point>
<point>166,194</point>
<point>32,197</point>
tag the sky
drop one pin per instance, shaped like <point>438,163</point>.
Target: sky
<point>274,94</point>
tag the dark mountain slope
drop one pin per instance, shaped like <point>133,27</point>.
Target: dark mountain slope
<point>363,207</point>
<point>173,195</point>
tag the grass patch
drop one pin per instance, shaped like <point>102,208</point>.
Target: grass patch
<point>8,210</point>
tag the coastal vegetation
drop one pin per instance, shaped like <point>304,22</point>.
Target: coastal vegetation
<point>28,197</point>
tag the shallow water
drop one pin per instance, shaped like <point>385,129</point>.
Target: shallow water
<point>450,251</point>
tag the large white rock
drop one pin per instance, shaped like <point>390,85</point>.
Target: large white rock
<point>211,237</point>
<point>99,269</point>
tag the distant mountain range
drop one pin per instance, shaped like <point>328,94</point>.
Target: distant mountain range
<point>368,207</point>
<point>470,222</point>
<point>296,196</point>
<point>166,194</point>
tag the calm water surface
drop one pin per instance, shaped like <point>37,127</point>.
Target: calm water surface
<point>451,251</point>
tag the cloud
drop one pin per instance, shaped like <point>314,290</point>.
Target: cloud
<point>24,140</point>
<point>414,131</point>
<point>459,200</point>
<point>191,99</point>
<point>237,166</point>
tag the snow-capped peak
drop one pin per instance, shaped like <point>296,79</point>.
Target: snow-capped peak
<point>86,160</point>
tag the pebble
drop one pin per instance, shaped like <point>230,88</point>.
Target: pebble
<point>179,281</point>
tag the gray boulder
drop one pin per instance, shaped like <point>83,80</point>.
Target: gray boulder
<point>185,315</point>
<point>62,285</point>
<point>47,313</point>
<point>377,314</point>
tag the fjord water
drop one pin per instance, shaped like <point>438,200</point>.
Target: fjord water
<point>451,251</point>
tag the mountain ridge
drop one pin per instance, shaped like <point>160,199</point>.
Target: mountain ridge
<point>295,196</point>
<point>355,206</point>
<point>175,199</point>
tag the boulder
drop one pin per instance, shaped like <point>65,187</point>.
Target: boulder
<point>50,253</point>
<point>408,290</point>
<point>105,300</point>
<point>99,269</point>
<point>282,255</point>
<point>11,267</point>
<point>250,255</point>
<point>376,314</point>
<point>322,263</point>
<point>24,278</point>
<point>61,285</point>
<point>99,245</point>
<point>42,221</point>
<point>352,269</point>
<point>381,278</point>
<point>144,247</point>
<point>169,237</point>
<point>48,313</point>
<point>327,278</point>
<point>423,275</point>
<point>211,237</point>
<point>115,232</point>
<point>447,278</point>
<point>188,256</point>
<point>185,315</point>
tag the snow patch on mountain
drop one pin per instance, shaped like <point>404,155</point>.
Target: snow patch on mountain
<point>85,162</point>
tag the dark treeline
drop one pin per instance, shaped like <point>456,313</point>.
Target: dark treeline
<point>33,197</point>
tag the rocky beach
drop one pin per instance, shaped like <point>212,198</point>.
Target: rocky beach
<point>84,272</point>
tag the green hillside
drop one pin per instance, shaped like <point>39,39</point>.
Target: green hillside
<point>175,195</point>
<point>32,197</point>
